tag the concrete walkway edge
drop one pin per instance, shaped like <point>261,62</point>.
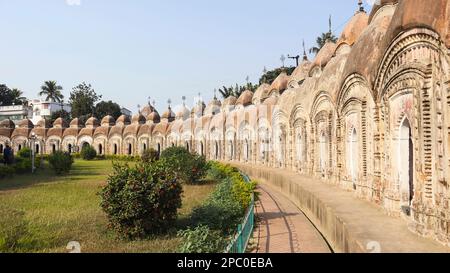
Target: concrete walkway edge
<point>350,225</point>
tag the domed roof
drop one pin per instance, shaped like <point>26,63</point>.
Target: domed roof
<point>183,112</point>
<point>26,123</point>
<point>108,121</point>
<point>324,56</point>
<point>261,94</point>
<point>92,121</point>
<point>430,14</point>
<point>59,123</point>
<point>245,99</point>
<point>273,100</point>
<point>138,119</point>
<point>299,74</point>
<point>198,109</point>
<point>280,83</point>
<point>147,110</point>
<point>214,107</point>
<point>154,117</point>
<point>168,114</point>
<point>231,100</point>
<point>123,120</point>
<point>76,122</point>
<point>367,52</point>
<point>43,123</point>
<point>380,4</point>
<point>354,28</point>
<point>7,124</point>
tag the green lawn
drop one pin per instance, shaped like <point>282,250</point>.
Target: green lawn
<point>63,209</point>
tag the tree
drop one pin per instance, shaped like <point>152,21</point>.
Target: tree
<point>105,108</point>
<point>60,114</point>
<point>271,75</point>
<point>82,100</point>
<point>11,96</point>
<point>323,38</point>
<point>52,91</point>
<point>226,91</point>
<point>237,90</point>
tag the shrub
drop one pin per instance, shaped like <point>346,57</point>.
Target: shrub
<point>150,155</point>
<point>6,171</point>
<point>13,230</point>
<point>141,200</point>
<point>188,168</point>
<point>222,211</point>
<point>24,153</point>
<point>88,152</point>
<point>22,165</point>
<point>202,240</point>
<point>61,162</point>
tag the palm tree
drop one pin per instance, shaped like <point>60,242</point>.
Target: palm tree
<point>17,96</point>
<point>226,92</point>
<point>52,91</point>
<point>323,38</point>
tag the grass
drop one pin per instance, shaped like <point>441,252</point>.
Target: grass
<point>61,209</point>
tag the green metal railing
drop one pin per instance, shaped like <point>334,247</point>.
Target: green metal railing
<point>244,233</point>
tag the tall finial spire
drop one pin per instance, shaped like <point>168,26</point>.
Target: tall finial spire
<point>361,6</point>
<point>169,102</point>
<point>305,57</point>
<point>139,109</point>
<point>184,100</point>
<point>215,94</point>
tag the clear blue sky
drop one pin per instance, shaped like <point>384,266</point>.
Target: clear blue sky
<point>130,50</point>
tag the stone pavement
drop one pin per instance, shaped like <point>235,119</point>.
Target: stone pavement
<point>283,228</point>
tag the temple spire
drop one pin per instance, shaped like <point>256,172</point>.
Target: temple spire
<point>305,57</point>
<point>361,6</point>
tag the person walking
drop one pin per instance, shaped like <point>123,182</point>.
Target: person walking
<point>7,155</point>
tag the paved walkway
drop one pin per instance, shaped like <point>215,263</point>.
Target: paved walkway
<point>348,223</point>
<point>283,228</point>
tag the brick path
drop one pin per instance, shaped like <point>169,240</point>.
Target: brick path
<point>283,228</point>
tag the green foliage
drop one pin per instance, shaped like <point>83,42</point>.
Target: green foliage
<point>202,239</point>
<point>60,114</point>
<point>188,168</point>
<point>105,108</point>
<point>52,91</point>
<point>11,96</point>
<point>61,162</point>
<point>82,100</point>
<point>237,90</point>
<point>6,171</point>
<point>24,153</point>
<point>227,204</point>
<point>270,76</point>
<point>13,230</point>
<point>88,153</point>
<point>141,200</point>
<point>221,211</point>
<point>22,165</point>
<point>150,156</point>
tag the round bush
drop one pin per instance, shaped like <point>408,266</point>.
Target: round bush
<point>141,200</point>
<point>188,168</point>
<point>24,153</point>
<point>150,156</point>
<point>88,152</point>
<point>60,162</point>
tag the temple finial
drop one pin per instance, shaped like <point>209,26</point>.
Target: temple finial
<point>184,100</point>
<point>305,57</point>
<point>361,6</point>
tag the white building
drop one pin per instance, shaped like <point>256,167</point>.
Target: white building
<point>44,109</point>
<point>15,112</point>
